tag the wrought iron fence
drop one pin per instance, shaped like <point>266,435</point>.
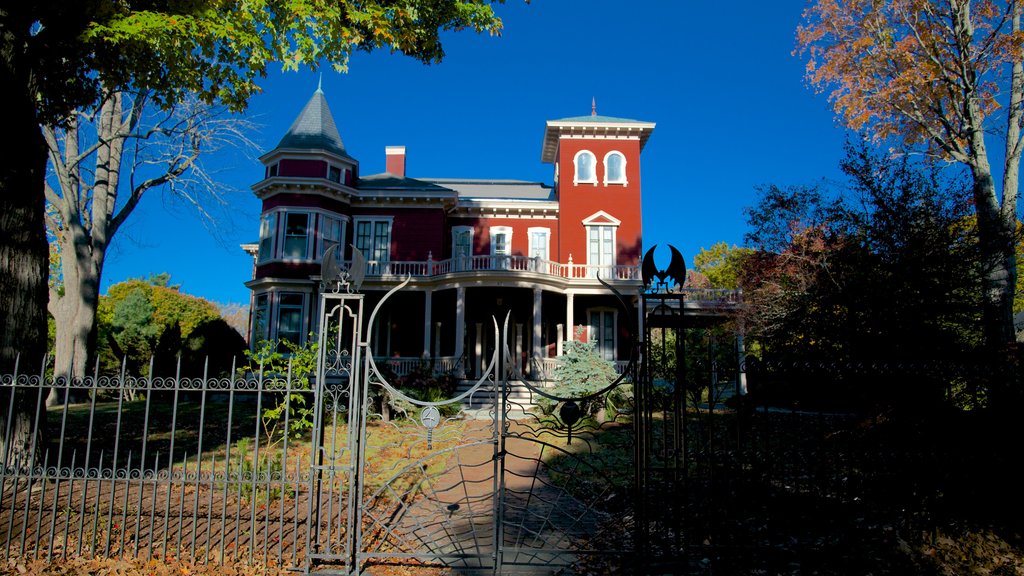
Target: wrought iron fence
<point>202,469</point>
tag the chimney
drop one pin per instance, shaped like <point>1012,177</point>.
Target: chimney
<point>395,162</point>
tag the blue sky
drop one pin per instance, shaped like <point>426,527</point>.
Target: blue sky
<point>731,108</point>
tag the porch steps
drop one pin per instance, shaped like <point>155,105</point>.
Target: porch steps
<point>520,398</point>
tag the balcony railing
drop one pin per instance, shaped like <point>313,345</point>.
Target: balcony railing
<point>499,263</point>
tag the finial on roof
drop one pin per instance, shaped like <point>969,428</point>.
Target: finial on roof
<point>593,106</point>
<point>320,83</point>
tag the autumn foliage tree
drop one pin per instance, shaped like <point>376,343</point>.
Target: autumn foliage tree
<point>945,77</point>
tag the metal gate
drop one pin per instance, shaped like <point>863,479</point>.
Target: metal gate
<point>503,476</point>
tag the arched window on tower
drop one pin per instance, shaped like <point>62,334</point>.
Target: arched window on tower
<point>585,164</point>
<point>614,168</point>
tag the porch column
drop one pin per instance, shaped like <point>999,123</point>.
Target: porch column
<point>537,336</point>
<point>479,350</point>
<point>460,332</point>
<point>519,348</point>
<point>437,340</point>
<point>428,298</point>
<point>560,338</point>
<point>569,323</point>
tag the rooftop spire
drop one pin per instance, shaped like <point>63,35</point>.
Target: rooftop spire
<point>593,106</point>
<point>320,83</point>
<point>314,128</point>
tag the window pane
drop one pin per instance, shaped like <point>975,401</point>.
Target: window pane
<point>363,238</point>
<point>585,167</point>
<point>614,172</point>
<point>260,318</point>
<point>268,226</point>
<point>539,241</point>
<point>289,318</point>
<point>330,234</point>
<point>295,235</point>
<point>381,242</point>
<point>462,243</point>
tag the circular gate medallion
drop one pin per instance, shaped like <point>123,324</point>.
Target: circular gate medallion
<point>430,417</point>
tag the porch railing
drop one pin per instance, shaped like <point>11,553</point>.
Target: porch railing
<point>499,263</point>
<point>405,365</point>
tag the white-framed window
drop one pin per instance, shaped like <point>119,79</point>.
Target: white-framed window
<point>462,247</point>
<point>332,231</point>
<point>586,167</point>
<point>272,170</point>
<point>261,319</point>
<point>614,168</point>
<point>373,238</point>
<point>501,245</point>
<point>334,173</point>
<point>539,246</point>
<point>601,243</point>
<point>290,317</point>
<point>296,236</point>
<point>601,331</point>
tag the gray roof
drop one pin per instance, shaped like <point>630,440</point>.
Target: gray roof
<point>389,181</point>
<point>314,129</point>
<point>496,189</point>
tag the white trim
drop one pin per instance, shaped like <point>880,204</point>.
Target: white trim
<point>462,261</point>
<point>507,231</point>
<point>547,240</point>
<point>608,219</point>
<point>595,227</point>
<point>576,168</point>
<point>622,181</point>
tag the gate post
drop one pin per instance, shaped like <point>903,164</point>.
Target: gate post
<point>338,375</point>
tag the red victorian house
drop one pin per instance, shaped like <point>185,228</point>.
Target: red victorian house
<point>474,248</point>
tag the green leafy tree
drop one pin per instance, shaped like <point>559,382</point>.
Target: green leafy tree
<point>721,264</point>
<point>56,57</point>
<point>139,321</point>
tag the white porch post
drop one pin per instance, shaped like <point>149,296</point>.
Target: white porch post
<point>460,331</point>
<point>537,336</point>
<point>437,340</point>
<point>428,298</point>
<point>569,323</point>
<point>519,348</point>
<point>479,350</point>
<point>741,352</point>
<point>558,342</point>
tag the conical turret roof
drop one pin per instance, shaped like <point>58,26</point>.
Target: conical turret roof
<point>314,129</point>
